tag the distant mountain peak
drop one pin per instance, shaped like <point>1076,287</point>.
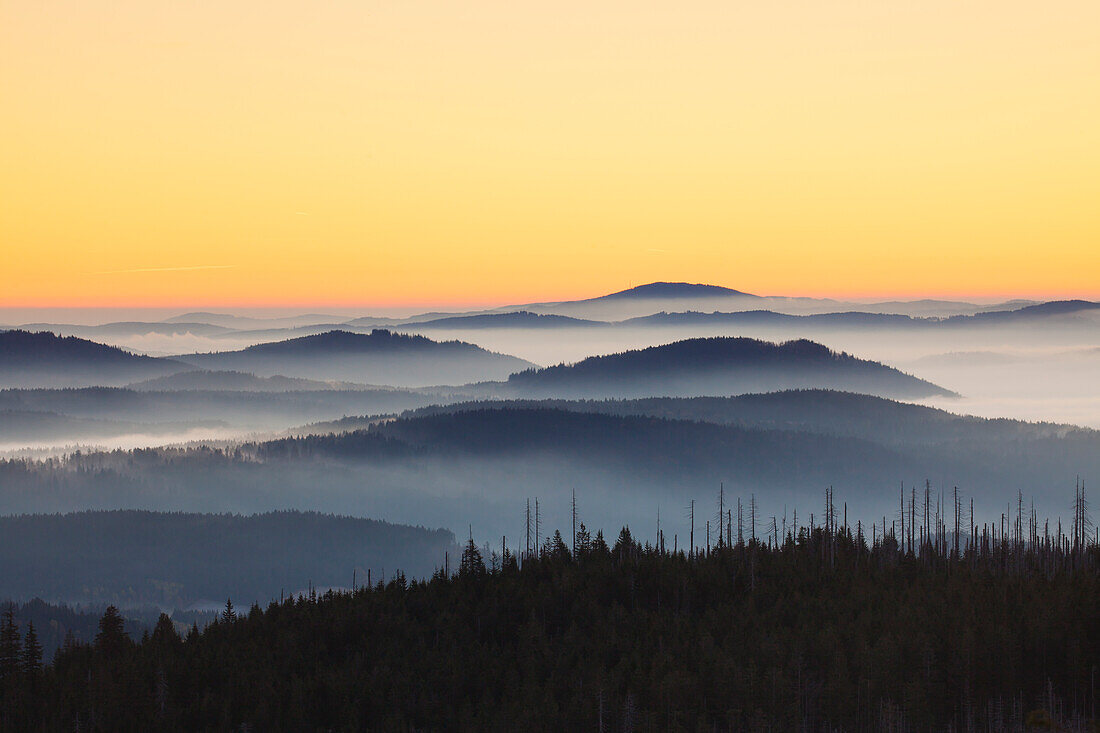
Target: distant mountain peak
<point>676,290</point>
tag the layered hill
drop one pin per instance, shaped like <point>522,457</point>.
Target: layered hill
<point>177,559</point>
<point>380,357</point>
<point>662,290</point>
<point>517,319</point>
<point>52,412</point>
<point>478,465</point>
<point>718,366</point>
<point>819,411</point>
<point>230,381</point>
<point>22,428</point>
<point>43,359</point>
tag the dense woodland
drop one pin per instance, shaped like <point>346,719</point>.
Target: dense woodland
<point>928,628</point>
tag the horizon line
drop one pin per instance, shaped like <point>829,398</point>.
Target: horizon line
<point>976,298</point>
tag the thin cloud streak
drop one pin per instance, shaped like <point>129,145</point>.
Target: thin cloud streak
<point>165,269</point>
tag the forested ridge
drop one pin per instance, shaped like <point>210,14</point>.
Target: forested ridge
<point>175,559</point>
<point>675,457</point>
<point>827,630</point>
<point>718,366</point>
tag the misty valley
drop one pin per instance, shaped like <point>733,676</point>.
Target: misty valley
<point>675,507</point>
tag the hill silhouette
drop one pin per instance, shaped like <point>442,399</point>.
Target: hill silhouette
<point>663,290</point>
<point>718,366</point>
<point>381,357</point>
<point>43,359</point>
<point>1038,312</point>
<point>820,411</point>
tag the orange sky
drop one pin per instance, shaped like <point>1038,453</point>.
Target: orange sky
<point>357,152</point>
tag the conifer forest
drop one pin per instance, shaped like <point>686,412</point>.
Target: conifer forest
<point>935,622</point>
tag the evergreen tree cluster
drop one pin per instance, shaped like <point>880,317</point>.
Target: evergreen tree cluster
<point>824,629</point>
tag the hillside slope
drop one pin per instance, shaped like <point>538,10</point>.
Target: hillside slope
<point>43,359</point>
<point>719,366</point>
<point>380,357</point>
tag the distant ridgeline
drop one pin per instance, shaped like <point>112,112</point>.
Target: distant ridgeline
<point>823,627</point>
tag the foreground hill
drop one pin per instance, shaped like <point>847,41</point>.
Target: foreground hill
<point>719,366</point>
<point>825,631</point>
<point>44,359</point>
<point>174,560</point>
<point>380,357</point>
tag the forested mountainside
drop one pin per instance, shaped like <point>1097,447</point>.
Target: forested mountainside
<point>381,357</point>
<point>810,410</point>
<point>827,630</point>
<point>43,359</point>
<point>718,366</point>
<point>234,382</point>
<point>483,463</point>
<point>135,558</point>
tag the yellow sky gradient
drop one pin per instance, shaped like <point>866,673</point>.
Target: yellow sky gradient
<point>360,152</point>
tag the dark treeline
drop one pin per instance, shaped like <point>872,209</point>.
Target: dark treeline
<point>824,629</point>
<point>58,624</point>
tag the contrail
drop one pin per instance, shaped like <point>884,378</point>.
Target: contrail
<point>164,269</point>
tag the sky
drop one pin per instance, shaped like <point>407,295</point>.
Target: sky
<point>345,152</point>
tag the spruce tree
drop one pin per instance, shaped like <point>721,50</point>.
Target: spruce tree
<point>472,563</point>
<point>32,652</point>
<point>10,657</point>
<point>112,639</point>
